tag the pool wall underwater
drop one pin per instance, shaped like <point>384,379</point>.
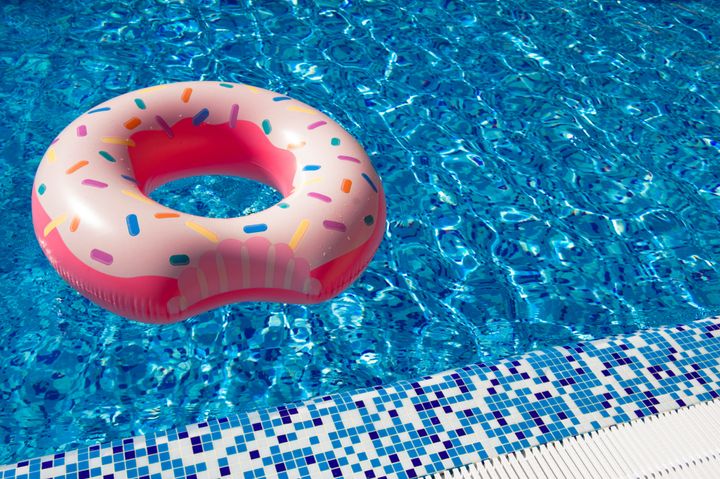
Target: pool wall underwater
<point>414,428</point>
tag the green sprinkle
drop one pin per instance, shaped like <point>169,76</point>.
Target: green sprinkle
<point>226,85</point>
<point>107,156</point>
<point>335,141</point>
<point>267,128</point>
<point>179,259</point>
<point>284,205</point>
<point>140,104</point>
<point>369,220</point>
<point>41,188</point>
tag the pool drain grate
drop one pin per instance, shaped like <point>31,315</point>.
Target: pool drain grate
<point>683,443</point>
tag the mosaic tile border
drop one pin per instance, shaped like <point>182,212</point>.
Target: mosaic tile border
<point>410,429</point>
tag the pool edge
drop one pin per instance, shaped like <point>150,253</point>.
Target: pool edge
<point>414,428</point>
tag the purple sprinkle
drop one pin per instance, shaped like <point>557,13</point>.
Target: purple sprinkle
<point>233,115</point>
<point>94,183</point>
<point>319,196</point>
<point>163,124</point>
<point>335,225</point>
<point>312,126</point>
<point>101,256</point>
<point>81,130</point>
<point>348,158</point>
<point>55,141</point>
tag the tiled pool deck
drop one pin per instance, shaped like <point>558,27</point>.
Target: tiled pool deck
<point>410,429</point>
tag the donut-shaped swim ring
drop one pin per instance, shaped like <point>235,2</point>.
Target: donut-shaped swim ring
<point>129,254</point>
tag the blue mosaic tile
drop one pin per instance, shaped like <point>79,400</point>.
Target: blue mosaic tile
<point>413,428</point>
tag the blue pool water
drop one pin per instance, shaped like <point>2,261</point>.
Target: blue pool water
<point>551,171</point>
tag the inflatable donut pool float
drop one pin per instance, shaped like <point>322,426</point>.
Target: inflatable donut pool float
<point>133,256</point>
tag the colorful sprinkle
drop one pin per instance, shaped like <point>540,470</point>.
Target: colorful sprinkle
<point>266,126</point>
<point>334,225</point>
<point>51,155</point>
<point>162,216</point>
<point>101,256</point>
<point>227,85</point>
<point>179,259</point>
<point>253,89</point>
<point>82,130</point>
<point>299,233</point>
<point>312,181</point>
<point>98,110</point>
<point>200,116</point>
<point>345,185</point>
<point>372,185</point>
<point>133,122</point>
<point>41,189</point>
<point>94,183</point>
<point>137,196</point>
<point>140,104</point>
<point>282,98</point>
<point>76,167</point>
<point>112,140</point>
<point>295,146</point>
<point>348,158</point>
<point>311,167</point>
<point>369,220</point>
<point>129,178</point>
<point>202,231</point>
<point>74,224</point>
<point>163,124</point>
<point>317,124</point>
<point>258,228</point>
<point>335,142</point>
<point>55,140</point>
<point>54,224</point>
<point>283,205</point>
<point>301,109</point>
<point>319,196</point>
<point>233,114</point>
<point>185,97</point>
<point>107,156</point>
<point>133,226</point>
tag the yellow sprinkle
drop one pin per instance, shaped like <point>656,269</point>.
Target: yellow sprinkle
<point>299,233</point>
<point>312,181</point>
<point>301,109</point>
<point>203,231</point>
<point>51,155</point>
<point>113,140</point>
<point>151,88</point>
<point>138,196</point>
<point>54,224</point>
<point>253,89</point>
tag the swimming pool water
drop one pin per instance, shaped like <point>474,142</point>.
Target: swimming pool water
<point>551,171</point>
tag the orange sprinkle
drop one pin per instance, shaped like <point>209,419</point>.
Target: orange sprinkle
<point>186,95</point>
<point>133,122</point>
<point>166,215</point>
<point>345,185</point>
<point>74,224</point>
<point>295,146</point>
<point>76,167</point>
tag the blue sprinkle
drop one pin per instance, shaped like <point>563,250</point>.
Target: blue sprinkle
<point>311,167</point>
<point>129,178</point>
<point>201,116</point>
<point>98,110</point>
<point>132,225</point>
<point>281,98</point>
<point>367,178</point>
<point>259,228</point>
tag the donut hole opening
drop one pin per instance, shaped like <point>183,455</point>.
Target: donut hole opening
<point>216,196</point>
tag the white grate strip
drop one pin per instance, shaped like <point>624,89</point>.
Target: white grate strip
<point>683,443</point>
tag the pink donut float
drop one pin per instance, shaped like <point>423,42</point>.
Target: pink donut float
<point>129,254</point>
